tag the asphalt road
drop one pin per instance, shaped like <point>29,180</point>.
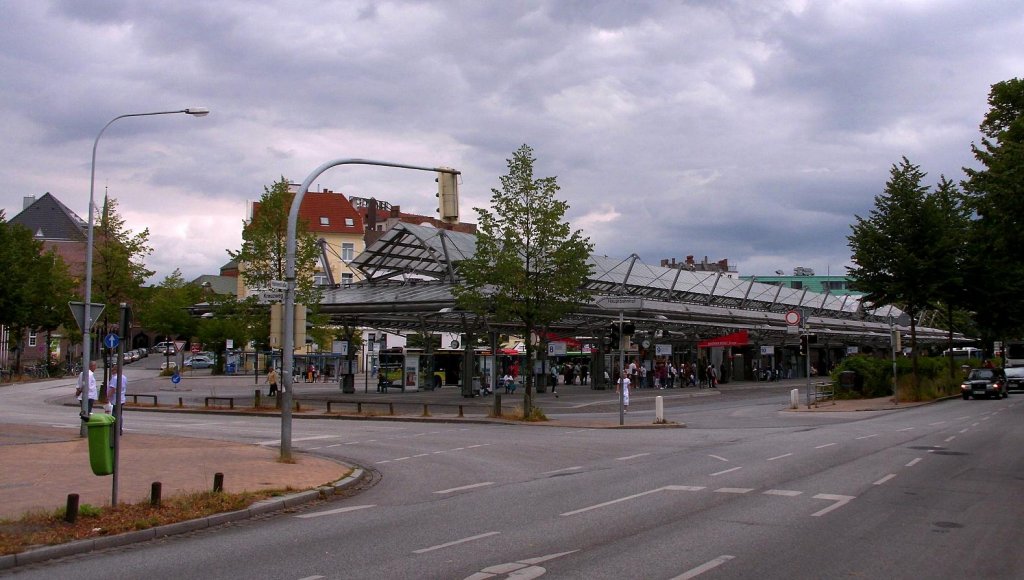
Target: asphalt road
<point>746,491</point>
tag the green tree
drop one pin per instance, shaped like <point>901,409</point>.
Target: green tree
<point>529,267</point>
<point>241,321</point>
<point>166,309</point>
<point>263,253</point>
<point>995,272</point>
<point>35,287</point>
<point>898,251</point>
<point>955,214</point>
<point>119,268</point>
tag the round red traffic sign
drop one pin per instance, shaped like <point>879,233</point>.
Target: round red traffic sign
<point>196,348</point>
<point>792,318</point>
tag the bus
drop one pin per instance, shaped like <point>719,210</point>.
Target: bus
<point>1014,353</point>
<point>962,354</point>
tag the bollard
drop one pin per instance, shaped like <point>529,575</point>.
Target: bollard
<point>256,398</point>
<point>155,494</point>
<point>296,405</point>
<point>218,482</point>
<point>426,410</point>
<point>359,408</point>
<point>497,405</point>
<point>391,408</point>
<point>659,409</point>
<point>180,402</point>
<point>461,414</point>
<point>794,399</point>
<point>71,510</point>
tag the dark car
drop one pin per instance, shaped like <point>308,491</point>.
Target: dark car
<point>1014,378</point>
<point>986,383</point>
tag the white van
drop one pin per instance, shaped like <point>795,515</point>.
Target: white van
<point>163,348</point>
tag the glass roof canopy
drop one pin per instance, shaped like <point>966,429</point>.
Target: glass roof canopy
<point>410,270</point>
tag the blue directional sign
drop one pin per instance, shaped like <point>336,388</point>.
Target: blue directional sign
<point>175,378</point>
<point>111,340</point>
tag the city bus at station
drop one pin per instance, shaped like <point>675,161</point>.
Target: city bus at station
<point>414,367</point>
<point>1014,353</point>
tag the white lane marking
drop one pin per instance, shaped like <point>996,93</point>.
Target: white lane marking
<point>465,487</point>
<point>936,423</point>
<point>950,438</point>
<point>693,573</point>
<point>335,445</point>
<point>352,443</point>
<point>455,543</point>
<point>906,429</point>
<point>778,457</point>
<point>734,490</point>
<point>459,449</point>
<point>295,440</point>
<point>840,500</point>
<point>400,458</point>
<point>975,424</point>
<point>612,502</point>
<point>573,468</point>
<point>962,418</point>
<point>719,458</point>
<point>436,452</point>
<point>313,448</point>
<point>868,436</point>
<point>913,462</point>
<point>312,578</point>
<point>684,487</point>
<point>350,508</point>
<point>825,445</point>
<point>782,492</point>
<point>421,455</point>
<point>383,461</point>
<point>964,430</point>
<point>885,479</point>
<point>474,446</point>
<point>631,456</point>
<point>985,418</point>
<point>726,471</point>
<point>520,570</point>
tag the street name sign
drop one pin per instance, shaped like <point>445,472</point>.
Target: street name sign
<point>620,302</point>
<point>278,285</point>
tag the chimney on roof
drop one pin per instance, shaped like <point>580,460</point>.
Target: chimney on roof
<point>371,215</point>
<point>27,201</point>
<point>689,262</point>
<point>396,211</point>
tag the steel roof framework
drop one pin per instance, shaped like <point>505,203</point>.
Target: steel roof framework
<point>410,270</point>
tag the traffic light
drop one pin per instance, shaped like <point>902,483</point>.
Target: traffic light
<point>805,340</point>
<point>612,340</point>
<point>448,196</point>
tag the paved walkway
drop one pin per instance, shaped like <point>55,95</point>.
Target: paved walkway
<point>42,465</point>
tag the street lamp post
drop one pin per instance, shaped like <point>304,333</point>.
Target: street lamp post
<point>288,316</point>
<point>87,318</point>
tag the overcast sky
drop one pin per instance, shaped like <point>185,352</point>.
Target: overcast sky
<point>752,130</point>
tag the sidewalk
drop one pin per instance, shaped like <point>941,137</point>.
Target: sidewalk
<point>42,465</point>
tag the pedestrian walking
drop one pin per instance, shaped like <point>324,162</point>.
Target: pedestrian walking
<point>272,381</point>
<point>117,391</point>
<point>87,386</point>
<point>623,387</point>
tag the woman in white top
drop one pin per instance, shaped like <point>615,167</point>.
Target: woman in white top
<point>624,385</point>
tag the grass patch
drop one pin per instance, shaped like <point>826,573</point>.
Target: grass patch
<point>42,528</point>
<point>516,414</point>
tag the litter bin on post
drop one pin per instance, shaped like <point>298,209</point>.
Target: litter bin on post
<point>101,451</point>
<point>229,368</point>
<point>850,381</point>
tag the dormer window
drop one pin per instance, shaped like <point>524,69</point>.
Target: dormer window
<point>325,221</point>
<point>350,222</point>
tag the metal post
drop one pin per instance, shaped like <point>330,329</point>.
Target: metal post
<point>622,373</point>
<point>288,322</point>
<point>892,342</point>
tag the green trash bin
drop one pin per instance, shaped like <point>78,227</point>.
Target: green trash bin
<point>101,447</point>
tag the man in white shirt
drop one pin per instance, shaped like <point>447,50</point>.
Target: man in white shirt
<point>87,384</point>
<point>118,382</point>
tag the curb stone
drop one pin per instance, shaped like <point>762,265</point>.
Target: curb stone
<point>45,553</point>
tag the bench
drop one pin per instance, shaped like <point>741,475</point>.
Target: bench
<point>135,398</point>
<point>230,400</point>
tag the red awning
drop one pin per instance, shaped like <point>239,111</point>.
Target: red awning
<point>735,339</point>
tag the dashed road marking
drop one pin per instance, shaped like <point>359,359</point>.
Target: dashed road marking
<point>964,430</point>
<point>868,436</point>
<point>693,573</point>
<point>913,462</point>
<point>465,487</point>
<point>885,479</point>
<point>825,445</point>
<point>631,456</point>
<point>455,543</point>
<point>717,473</point>
<point>350,508</point>
<point>950,438</point>
<point>719,458</point>
<point>734,490</point>
<point>906,429</point>
<point>936,423</point>
<point>840,500</point>
<point>782,492</point>
<point>778,457</point>
<point>564,469</point>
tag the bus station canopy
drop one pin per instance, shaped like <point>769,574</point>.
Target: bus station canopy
<point>409,273</point>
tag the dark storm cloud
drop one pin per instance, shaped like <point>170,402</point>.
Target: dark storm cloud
<point>752,131</point>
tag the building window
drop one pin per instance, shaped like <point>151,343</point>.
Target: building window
<point>350,222</point>
<point>320,279</point>
<point>346,278</point>
<point>32,338</point>
<point>380,227</point>
<point>796,285</point>
<point>348,251</point>
<point>325,221</point>
<point>836,284</point>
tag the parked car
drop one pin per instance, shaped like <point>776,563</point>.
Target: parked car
<point>199,362</point>
<point>1014,378</point>
<point>988,383</point>
<point>168,365</point>
<point>164,347</point>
